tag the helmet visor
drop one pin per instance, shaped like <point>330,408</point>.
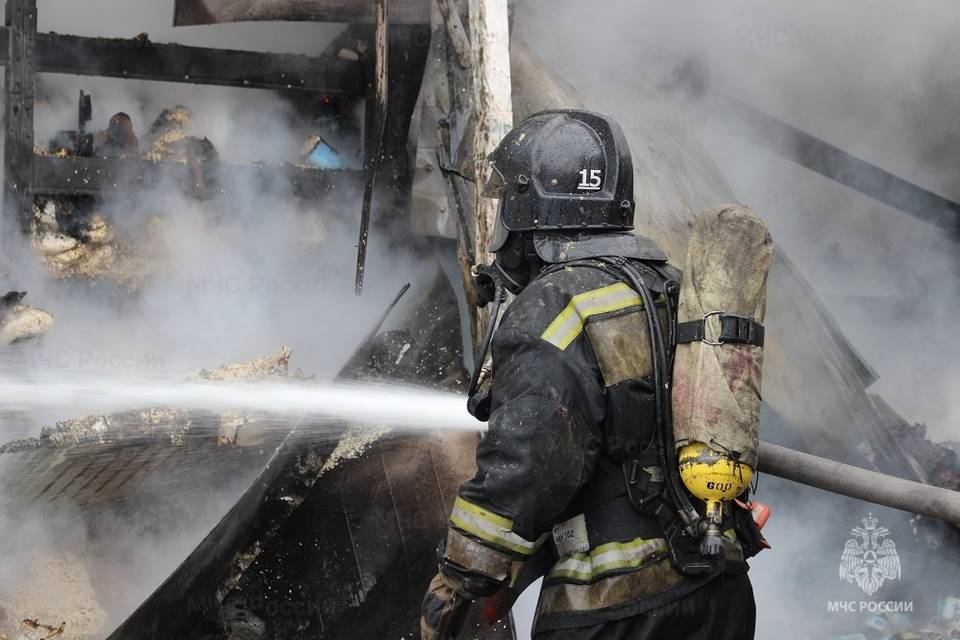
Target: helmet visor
<point>500,232</point>
<point>493,188</point>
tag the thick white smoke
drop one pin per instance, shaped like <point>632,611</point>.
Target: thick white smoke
<point>874,79</point>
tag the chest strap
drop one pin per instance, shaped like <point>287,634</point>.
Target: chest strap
<point>733,329</point>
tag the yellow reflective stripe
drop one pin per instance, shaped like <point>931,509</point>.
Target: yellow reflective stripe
<point>486,525</point>
<point>608,557</point>
<point>730,535</point>
<point>477,510</point>
<point>569,323</point>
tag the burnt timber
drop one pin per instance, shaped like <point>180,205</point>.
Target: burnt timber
<point>193,12</point>
<point>92,176</point>
<point>145,60</point>
<point>19,91</point>
<point>834,163</point>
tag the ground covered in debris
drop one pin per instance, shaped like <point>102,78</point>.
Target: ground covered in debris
<point>52,599</point>
<point>51,593</point>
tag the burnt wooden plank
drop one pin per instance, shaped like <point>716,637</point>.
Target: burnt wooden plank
<point>192,12</point>
<point>91,176</point>
<point>19,89</point>
<point>374,125</point>
<point>75,468</point>
<point>834,163</point>
<point>130,469</point>
<point>128,453</point>
<point>406,56</point>
<point>145,60</point>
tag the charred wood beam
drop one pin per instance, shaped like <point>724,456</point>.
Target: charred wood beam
<point>193,12</point>
<point>408,47</point>
<point>95,176</point>
<point>374,129</point>
<point>19,91</point>
<point>836,164</point>
<point>145,60</point>
<point>456,35</point>
<point>406,56</point>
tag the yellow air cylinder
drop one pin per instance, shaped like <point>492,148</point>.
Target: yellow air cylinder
<point>712,476</point>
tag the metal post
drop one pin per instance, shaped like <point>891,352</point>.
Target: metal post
<point>19,90</point>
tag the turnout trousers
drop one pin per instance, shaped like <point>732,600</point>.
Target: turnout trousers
<point>722,609</point>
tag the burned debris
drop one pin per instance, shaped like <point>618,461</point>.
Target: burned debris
<point>75,241</point>
<point>54,600</point>
<point>168,139</point>
<point>105,465</point>
<point>58,189</point>
<point>20,321</point>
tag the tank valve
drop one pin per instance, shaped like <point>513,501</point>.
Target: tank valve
<point>715,477</point>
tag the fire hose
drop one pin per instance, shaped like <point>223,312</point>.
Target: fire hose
<point>854,482</point>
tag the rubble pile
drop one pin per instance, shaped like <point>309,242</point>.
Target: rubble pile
<point>73,244</point>
<point>249,428</point>
<point>168,139</point>
<point>72,238</point>
<point>939,461</point>
<point>19,321</point>
<point>269,366</point>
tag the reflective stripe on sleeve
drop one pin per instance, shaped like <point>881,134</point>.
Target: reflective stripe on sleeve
<point>477,556</point>
<point>569,323</point>
<point>608,557</point>
<point>486,525</point>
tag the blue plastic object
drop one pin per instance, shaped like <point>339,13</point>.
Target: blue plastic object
<point>324,156</point>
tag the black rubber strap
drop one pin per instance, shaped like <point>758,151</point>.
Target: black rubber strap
<point>733,329</point>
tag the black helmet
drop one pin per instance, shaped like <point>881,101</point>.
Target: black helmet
<point>562,170</point>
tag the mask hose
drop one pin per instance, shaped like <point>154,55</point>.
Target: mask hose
<point>490,288</point>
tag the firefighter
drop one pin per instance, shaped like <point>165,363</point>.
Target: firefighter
<point>574,409</point>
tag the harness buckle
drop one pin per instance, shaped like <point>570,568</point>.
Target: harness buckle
<point>742,328</point>
<point>733,328</point>
<point>719,339</point>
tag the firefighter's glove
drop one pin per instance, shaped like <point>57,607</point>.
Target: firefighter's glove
<point>443,610</point>
<point>448,600</point>
<point>485,283</point>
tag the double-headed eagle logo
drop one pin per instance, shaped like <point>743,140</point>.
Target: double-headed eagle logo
<point>869,559</point>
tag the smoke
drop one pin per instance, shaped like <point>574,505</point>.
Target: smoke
<point>215,281</point>
<point>877,80</point>
<point>867,77</point>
